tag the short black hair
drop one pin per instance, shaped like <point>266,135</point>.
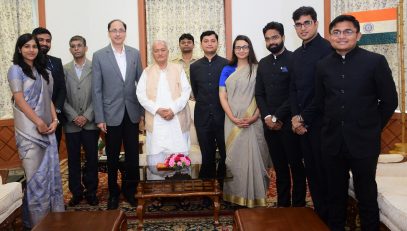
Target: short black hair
<point>304,11</point>
<point>41,30</point>
<point>345,18</point>
<point>274,26</point>
<point>116,20</point>
<point>187,36</point>
<point>208,33</point>
<point>78,38</point>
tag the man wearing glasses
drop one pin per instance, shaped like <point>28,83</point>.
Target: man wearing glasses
<point>116,71</point>
<point>272,97</point>
<point>313,48</point>
<point>355,91</point>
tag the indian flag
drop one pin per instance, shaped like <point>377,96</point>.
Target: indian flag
<point>377,26</point>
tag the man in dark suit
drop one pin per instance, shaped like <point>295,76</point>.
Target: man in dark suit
<point>272,97</point>
<point>209,116</point>
<point>355,91</point>
<point>54,65</point>
<point>116,71</point>
<point>304,59</point>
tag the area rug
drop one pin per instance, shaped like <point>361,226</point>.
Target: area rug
<point>192,214</point>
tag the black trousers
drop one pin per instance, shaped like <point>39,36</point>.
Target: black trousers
<point>128,134</point>
<point>58,134</point>
<point>364,182</point>
<point>210,138</point>
<point>315,170</point>
<point>285,152</point>
<point>88,179</point>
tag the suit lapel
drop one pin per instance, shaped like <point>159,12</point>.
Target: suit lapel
<point>112,58</point>
<point>72,72</point>
<point>86,70</point>
<point>129,61</point>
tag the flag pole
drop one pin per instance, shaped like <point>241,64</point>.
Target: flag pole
<point>401,147</point>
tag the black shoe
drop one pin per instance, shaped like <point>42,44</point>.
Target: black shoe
<point>131,200</point>
<point>75,200</point>
<point>113,203</point>
<point>92,200</point>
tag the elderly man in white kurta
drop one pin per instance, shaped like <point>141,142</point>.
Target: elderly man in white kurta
<point>163,90</point>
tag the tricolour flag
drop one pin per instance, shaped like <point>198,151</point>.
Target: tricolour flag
<point>377,26</point>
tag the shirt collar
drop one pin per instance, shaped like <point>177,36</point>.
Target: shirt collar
<point>117,53</point>
<point>348,55</point>
<point>310,43</point>
<point>79,66</point>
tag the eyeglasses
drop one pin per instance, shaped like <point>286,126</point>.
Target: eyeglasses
<point>244,48</point>
<point>120,31</point>
<point>272,38</point>
<point>346,33</point>
<point>306,24</point>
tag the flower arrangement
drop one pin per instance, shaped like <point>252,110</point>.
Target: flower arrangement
<point>177,161</point>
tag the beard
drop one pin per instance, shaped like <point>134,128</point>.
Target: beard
<point>44,49</point>
<point>275,49</point>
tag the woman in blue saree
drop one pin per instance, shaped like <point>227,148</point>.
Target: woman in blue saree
<point>35,122</point>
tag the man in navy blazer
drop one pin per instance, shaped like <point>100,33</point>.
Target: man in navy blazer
<point>116,71</point>
<point>54,65</point>
<point>356,93</point>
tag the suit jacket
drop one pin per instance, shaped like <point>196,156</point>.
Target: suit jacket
<point>59,91</point>
<point>272,86</point>
<point>357,96</point>
<point>111,95</point>
<point>205,86</point>
<point>78,97</point>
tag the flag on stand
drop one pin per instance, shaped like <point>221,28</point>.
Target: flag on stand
<point>377,26</point>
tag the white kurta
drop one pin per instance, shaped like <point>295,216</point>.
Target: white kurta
<point>167,137</point>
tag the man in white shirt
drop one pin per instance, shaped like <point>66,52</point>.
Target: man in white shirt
<point>163,90</point>
<point>116,70</point>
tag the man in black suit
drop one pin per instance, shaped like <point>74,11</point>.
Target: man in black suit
<point>272,97</point>
<point>355,91</point>
<point>313,48</point>
<point>209,115</point>
<point>54,65</point>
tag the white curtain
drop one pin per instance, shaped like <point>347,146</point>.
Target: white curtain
<point>16,18</point>
<point>168,19</point>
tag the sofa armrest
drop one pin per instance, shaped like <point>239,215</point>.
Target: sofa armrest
<point>3,176</point>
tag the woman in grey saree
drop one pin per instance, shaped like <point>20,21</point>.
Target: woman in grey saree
<point>35,123</point>
<point>246,149</point>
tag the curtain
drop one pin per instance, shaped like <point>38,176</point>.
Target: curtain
<point>16,18</point>
<point>390,51</point>
<point>168,19</point>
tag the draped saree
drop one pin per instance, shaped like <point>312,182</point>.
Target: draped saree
<point>246,149</point>
<point>39,153</point>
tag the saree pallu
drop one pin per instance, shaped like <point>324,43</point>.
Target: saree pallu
<point>246,148</point>
<point>39,153</point>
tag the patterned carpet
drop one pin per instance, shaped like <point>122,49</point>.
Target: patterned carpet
<point>197,214</point>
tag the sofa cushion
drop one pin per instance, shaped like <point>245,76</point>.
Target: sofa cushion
<point>10,199</point>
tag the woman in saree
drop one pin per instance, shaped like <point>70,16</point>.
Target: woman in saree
<point>246,149</point>
<point>35,122</point>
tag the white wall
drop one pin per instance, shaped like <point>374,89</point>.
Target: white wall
<point>249,18</point>
<point>90,18</point>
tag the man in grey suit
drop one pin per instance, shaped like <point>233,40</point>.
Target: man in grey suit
<point>116,71</point>
<point>80,128</point>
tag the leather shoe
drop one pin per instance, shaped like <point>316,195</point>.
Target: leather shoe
<point>131,200</point>
<point>75,200</point>
<point>112,203</point>
<point>92,200</point>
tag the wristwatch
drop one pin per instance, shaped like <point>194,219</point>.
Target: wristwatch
<point>274,119</point>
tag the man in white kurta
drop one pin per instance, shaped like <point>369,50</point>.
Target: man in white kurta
<point>163,90</point>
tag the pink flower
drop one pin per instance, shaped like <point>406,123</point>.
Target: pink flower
<point>171,163</point>
<point>179,163</point>
<point>187,163</point>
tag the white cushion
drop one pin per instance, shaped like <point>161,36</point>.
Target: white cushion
<point>11,195</point>
<point>392,194</point>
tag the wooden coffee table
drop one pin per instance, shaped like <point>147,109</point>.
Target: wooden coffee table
<point>109,220</point>
<point>194,187</point>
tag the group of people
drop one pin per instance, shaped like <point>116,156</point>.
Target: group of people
<point>316,112</point>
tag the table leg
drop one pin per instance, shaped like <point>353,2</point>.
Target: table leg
<point>140,213</point>
<point>216,209</point>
